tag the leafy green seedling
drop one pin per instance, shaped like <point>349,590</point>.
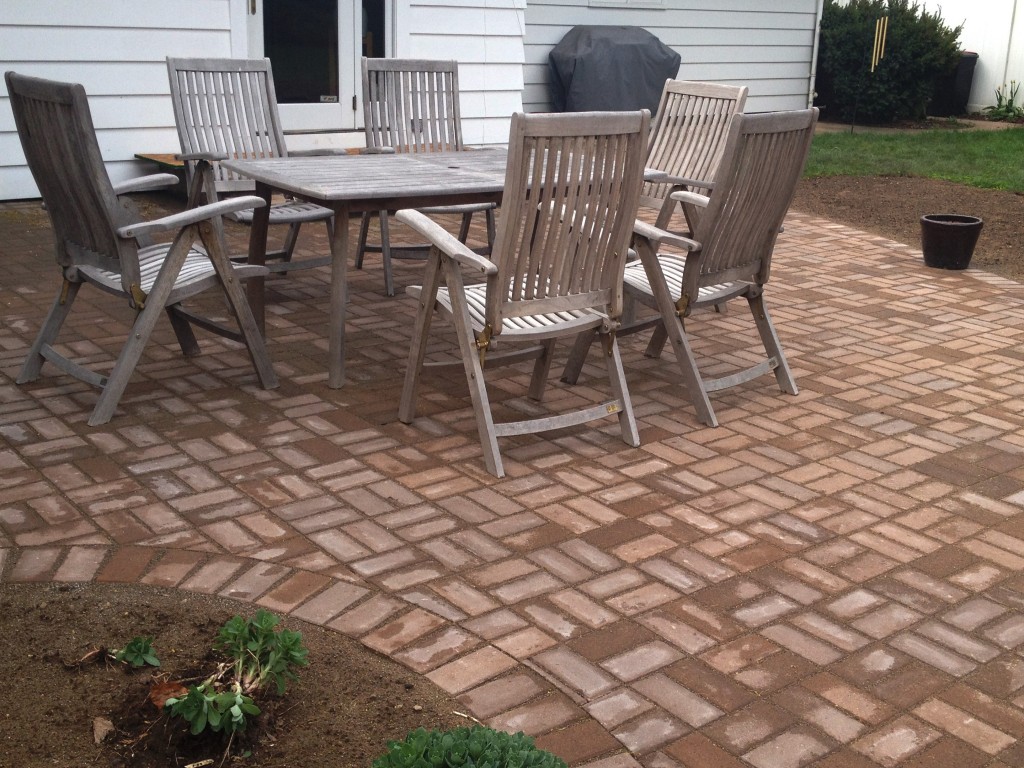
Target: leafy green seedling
<point>138,653</point>
<point>262,653</point>
<point>204,708</point>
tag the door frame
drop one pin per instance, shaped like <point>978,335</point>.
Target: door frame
<point>346,114</point>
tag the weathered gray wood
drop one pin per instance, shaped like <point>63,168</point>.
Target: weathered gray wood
<point>96,244</point>
<point>556,268</point>
<point>731,250</point>
<point>366,183</point>
<point>227,108</point>
<point>687,140</point>
<point>412,106</point>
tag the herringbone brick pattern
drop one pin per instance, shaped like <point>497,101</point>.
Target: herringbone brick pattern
<point>835,578</point>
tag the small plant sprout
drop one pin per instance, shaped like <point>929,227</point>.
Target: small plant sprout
<point>260,654</point>
<point>263,653</point>
<point>138,653</point>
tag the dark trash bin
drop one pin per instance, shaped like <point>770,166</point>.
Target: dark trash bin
<point>953,91</point>
<point>610,68</point>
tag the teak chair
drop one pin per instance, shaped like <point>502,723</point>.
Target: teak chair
<point>227,109</point>
<point>683,153</point>
<point>412,105</point>
<point>97,242</point>
<point>730,253</point>
<point>572,187</point>
<point>687,141</point>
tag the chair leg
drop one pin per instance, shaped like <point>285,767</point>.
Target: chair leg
<point>474,371</point>
<point>657,341</point>
<point>772,345</point>
<point>617,377</point>
<point>254,342</point>
<point>183,331</point>
<point>141,329</point>
<point>420,334</point>
<point>541,370</point>
<point>578,356</point>
<point>47,335</point>
<point>688,368</point>
<point>290,240</point>
<point>467,220</point>
<point>491,229</point>
<point>364,230</point>
<point>385,253</point>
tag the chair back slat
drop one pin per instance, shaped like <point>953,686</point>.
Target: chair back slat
<point>756,181</point>
<point>227,106</point>
<point>572,188</point>
<point>688,136</point>
<point>57,134</point>
<point>411,105</point>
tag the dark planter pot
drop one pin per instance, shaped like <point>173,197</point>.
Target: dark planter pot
<point>948,239</point>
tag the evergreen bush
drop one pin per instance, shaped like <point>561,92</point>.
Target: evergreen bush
<point>476,747</point>
<point>920,49</point>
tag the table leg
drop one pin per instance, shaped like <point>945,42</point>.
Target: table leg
<point>339,297</point>
<point>255,288</point>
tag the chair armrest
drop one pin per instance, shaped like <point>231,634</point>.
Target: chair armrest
<point>691,198</point>
<point>682,181</point>
<point>321,152</point>
<point>177,221</point>
<point>657,237</point>
<point>376,151</point>
<point>444,240</point>
<point>145,183</point>
<point>213,157</point>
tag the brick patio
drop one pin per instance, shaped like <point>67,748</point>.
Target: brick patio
<point>834,579</point>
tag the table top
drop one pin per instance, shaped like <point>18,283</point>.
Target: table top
<point>378,177</point>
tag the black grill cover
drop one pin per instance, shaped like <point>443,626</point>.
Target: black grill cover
<point>610,68</point>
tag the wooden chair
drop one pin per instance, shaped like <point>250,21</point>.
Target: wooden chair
<point>571,192</point>
<point>412,105</point>
<point>685,148</point>
<point>97,242</point>
<point>227,108</point>
<point>687,141</point>
<point>730,253</point>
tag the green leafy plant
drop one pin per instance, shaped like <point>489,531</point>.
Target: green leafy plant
<point>138,653</point>
<point>261,654</point>
<point>202,707</point>
<point>476,747</point>
<point>920,50</point>
<point>1006,107</point>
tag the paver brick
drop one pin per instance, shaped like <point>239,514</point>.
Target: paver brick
<point>831,579</point>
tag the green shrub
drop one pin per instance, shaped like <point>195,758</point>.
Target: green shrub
<point>475,747</point>
<point>920,50</point>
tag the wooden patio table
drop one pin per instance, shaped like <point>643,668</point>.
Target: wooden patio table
<point>356,183</point>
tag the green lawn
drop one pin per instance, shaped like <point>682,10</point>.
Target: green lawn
<point>980,158</point>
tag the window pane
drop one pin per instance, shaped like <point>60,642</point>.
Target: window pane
<point>301,40</point>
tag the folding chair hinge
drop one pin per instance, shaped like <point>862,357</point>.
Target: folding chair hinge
<point>608,342</point>
<point>483,341</point>
<point>683,305</point>
<point>65,289</point>
<point>138,297</point>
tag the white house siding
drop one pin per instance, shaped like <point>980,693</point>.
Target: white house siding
<point>993,29</point>
<point>486,36</point>
<point>116,49</point>
<point>768,47</point>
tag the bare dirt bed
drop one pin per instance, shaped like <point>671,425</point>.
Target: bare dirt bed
<point>892,206</point>
<point>347,704</point>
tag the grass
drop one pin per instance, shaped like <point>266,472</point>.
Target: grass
<point>979,158</point>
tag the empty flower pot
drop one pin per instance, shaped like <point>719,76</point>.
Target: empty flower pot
<point>948,239</point>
